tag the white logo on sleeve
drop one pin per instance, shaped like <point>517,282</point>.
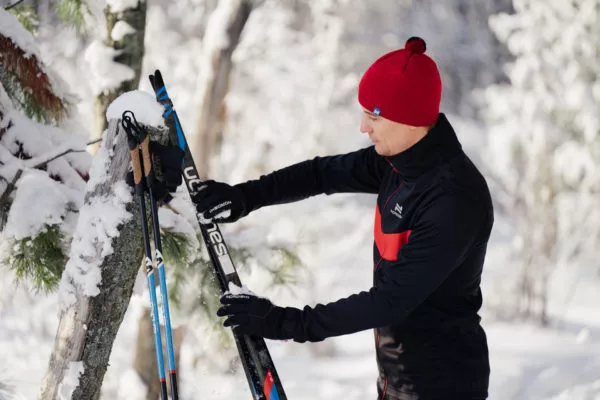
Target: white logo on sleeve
<point>397,211</point>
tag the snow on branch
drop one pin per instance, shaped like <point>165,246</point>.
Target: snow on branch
<point>39,162</point>
<point>21,67</point>
<point>13,5</point>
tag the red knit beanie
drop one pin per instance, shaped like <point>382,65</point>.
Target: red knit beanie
<point>403,86</point>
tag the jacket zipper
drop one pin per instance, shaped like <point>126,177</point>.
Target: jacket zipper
<point>385,386</point>
<point>384,389</point>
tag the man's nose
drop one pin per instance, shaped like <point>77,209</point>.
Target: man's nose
<point>364,126</point>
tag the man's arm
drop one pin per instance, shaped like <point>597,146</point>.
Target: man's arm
<point>439,242</point>
<point>360,171</point>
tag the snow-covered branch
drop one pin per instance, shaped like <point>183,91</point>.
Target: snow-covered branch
<point>13,5</point>
<point>24,70</point>
<point>38,162</point>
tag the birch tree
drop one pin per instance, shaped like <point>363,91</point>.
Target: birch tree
<point>116,62</point>
<point>222,36</point>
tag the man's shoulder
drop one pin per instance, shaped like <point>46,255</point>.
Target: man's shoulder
<point>460,183</point>
<point>460,176</point>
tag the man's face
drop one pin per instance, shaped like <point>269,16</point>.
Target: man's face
<point>389,137</point>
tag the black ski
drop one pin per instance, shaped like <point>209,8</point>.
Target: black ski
<point>260,370</point>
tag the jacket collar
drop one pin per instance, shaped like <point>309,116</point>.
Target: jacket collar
<point>438,146</point>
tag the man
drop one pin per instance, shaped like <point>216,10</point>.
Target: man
<point>433,219</point>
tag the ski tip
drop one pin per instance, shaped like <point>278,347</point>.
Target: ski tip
<point>152,82</point>
<point>159,79</point>
<point>156,80</point>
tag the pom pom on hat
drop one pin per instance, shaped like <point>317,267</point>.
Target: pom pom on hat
<point>416,45</point>
<point>403,86</point>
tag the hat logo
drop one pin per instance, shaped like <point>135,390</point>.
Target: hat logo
<point>376,111</point>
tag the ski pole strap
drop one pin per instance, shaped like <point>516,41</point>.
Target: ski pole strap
<point>132,128</point>
<point>138,137</point>
<point>129,124</point>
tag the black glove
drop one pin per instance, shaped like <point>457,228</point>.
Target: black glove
<point>166,167</point>
<point>220,202</point>
<point>252,315</point>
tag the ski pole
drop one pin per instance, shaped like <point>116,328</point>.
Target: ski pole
<point>149,174</point>
<point>132,130</point>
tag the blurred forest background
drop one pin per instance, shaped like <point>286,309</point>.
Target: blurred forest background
<point>262,84</point>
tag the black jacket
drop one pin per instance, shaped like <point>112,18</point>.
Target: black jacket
<point>432,223</point>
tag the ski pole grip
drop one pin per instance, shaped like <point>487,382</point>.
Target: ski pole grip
<point>137,166</point>
<point>146,156</point>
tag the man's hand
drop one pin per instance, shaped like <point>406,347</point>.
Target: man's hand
<point>220,202</point>
<point>249,314</point>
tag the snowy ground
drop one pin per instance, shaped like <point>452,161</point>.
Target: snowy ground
<point>527,362</point>
<point>559,362</point>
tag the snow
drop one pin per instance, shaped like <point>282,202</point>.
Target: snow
<point>541,363</point>
<point>79,160</point>
<point>97,226</point>
<point>28,323</point>
<point>235,289</point>
<point>59,186</point>
<point>216,32</point>
<point>575,164</point>
<point>171,221</point>
<point>120,30</point>
<point>12,29</point>
<point>106,74</point>
<point>41,143</point>
<point>27,218</point>
<point>143,105</point>
<point>132,387</point>
<point>70,380</point>
<point>117,6</point>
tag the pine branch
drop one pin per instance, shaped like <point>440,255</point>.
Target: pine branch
<point>13,5</point>
<point>28,17</point>
<point>28,73</point>
<point>39,259</point>
<point>73,12</point>
<point>11,186</point>
<point>38,164</point>
<point>61,153</point>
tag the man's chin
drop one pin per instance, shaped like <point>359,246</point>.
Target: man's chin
<point>379,150</point>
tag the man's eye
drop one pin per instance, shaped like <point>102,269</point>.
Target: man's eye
<point>373,118</point>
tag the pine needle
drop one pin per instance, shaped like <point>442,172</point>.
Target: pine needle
<point>27,16</point>
<point>73,12</point>
<point>39,260</point>
<point>23,77</point>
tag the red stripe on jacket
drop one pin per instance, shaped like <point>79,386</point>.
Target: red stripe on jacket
<point>388,244</point>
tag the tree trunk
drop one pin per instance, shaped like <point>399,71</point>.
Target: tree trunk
<point>214,79</point>
<point>5,186</point>
<point>131,53</point>
<point>87,329</point>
